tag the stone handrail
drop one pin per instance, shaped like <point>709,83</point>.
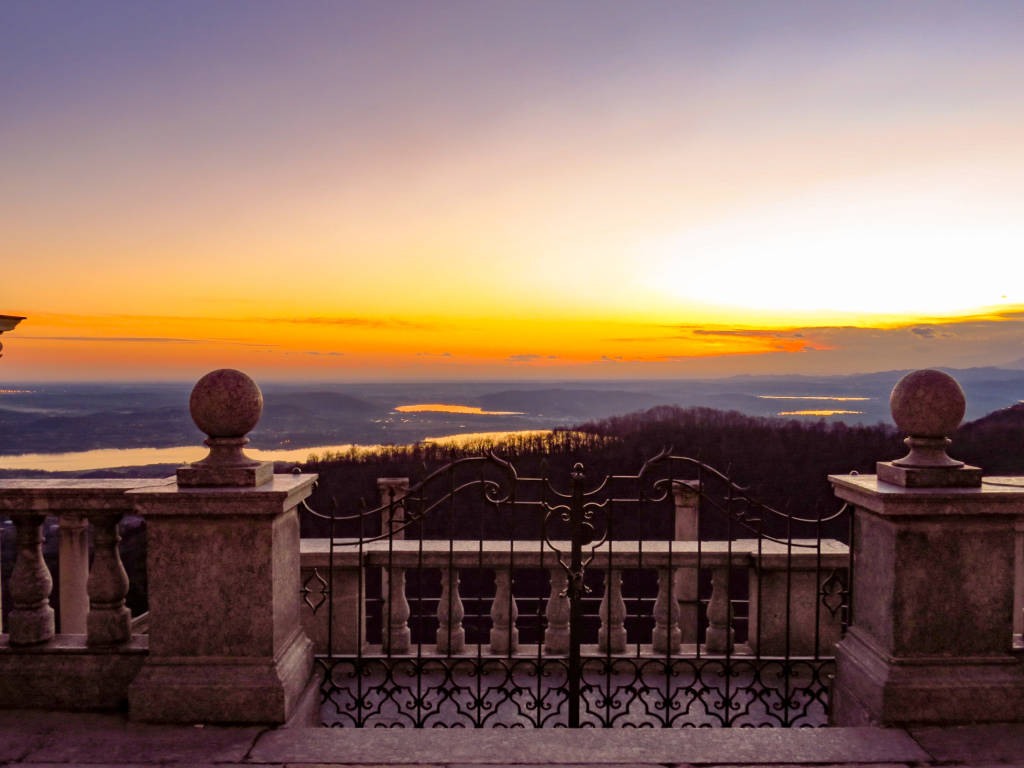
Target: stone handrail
<point>773,568</point>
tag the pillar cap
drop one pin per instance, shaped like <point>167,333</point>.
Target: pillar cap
<point>928,406</point>
<point>226,405</point>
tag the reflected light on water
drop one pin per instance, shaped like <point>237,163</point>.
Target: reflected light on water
<point>444,408</point>
<point>108,458</point>
<point>473,438</point>
<point>819,413</point>
<point>811,397</point>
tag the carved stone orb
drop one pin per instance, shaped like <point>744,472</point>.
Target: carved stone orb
<point>226,403</point>
<point>927,403</point>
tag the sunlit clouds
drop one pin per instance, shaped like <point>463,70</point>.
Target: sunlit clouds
<point>549,190</point>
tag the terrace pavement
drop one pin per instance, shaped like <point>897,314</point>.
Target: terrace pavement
<point>61,739</point>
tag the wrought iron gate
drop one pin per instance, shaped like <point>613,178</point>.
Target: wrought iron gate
<point>468,600</point>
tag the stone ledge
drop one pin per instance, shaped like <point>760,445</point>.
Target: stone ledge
<point>67,675</point>
<point>588,746</point>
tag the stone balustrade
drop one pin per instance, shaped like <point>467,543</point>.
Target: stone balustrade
<point>89,663</point>
<point>935,624</point>
<point>785,584</point>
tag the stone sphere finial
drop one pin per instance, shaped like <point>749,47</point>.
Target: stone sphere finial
<point>226,403</point>
<point>927,403</point>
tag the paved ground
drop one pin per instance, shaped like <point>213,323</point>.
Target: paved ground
<point>50,739</point>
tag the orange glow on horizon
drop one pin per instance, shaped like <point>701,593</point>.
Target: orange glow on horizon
<point>424,346</point>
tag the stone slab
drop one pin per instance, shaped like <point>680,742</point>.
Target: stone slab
<point>997,742</point>
<point>569,747</point>
<point>827,765</point>
<point>113,740</point>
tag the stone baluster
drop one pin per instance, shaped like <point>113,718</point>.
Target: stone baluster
<point>504,634</point>
<point>720,632</point>
<point>31,617</point>
<point>73,557</point>
<point>451,637</point>
<point>667,635</point>
<point>611,637</point>
<point>395,635</point>
<point>109,621</point>
<point>556,636</point>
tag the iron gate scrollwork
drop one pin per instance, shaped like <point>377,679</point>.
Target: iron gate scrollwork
<point>469,601</point>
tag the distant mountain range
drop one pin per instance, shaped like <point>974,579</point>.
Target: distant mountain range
<point>50,418</point>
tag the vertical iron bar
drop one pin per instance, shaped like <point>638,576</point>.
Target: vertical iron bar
<point>419,610</point>
<point>817,588</point>
<point>671,575</point>
<point>479,606</point>
<point>360,612</point>
<point>700,552</point>
<point>541,606</point>
<point>728,606</point>
<point>575,595</point>
<point>789,588</point>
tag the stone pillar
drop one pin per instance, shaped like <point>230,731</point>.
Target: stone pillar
<point>1018,582</point>
<point>933,580</point>
<point>686,494</point>
<point>73,557</point>
<point>396,637</point>
<point>786,617</point>
<point>225,637</point>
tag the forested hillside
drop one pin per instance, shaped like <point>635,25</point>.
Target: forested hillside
<point>784,462</point>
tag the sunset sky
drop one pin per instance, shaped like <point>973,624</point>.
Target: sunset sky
<point>438,190</point>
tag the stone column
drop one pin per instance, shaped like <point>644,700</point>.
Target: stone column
<point>933,579</point>
<point>686,495</point>
<point>74,572</point>
<point>396,635</point>
<point>225,636</point>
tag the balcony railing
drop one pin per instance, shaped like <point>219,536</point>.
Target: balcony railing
<point>791,605</point>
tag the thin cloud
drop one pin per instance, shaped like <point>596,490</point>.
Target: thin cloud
<point>747,333</point>
<point>523,358</point>
<point>123,339</point>
<point>349,322</point>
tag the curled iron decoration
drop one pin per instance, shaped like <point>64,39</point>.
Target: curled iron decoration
<point>476,688</point>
